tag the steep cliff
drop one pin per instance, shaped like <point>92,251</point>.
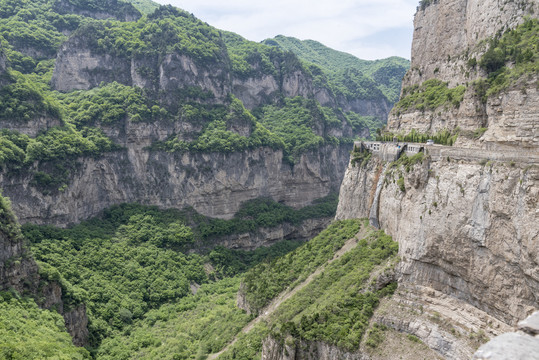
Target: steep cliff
<point>465,217</point>
<point>214,184</point>
<point>448,33</point>
<point>490,212</point>
<point>458,43</point>
<point>166,110</point>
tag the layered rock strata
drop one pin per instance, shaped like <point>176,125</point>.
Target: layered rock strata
<point>464,228</point>
<point>214,184</point>
<point>447,36</point>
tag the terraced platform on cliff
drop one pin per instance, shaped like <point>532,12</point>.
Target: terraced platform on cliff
<point>391,151</point>
<point>266,312</point>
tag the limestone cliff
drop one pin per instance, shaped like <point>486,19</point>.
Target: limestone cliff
<point>80,66</point>
<point>214,184</point>
<point>465,217</point>
<point>450,37</point>
<point>447,32</point>
<point>465,229</point>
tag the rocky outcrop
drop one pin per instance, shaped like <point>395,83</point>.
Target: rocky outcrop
<point>268,236</point>
<point>214,184</point>
<point>76,322</point>
<point>82,65</point>
<point>447,32</point>
<point>447,36</point>
<point>31,127</point>
<point>465,229</point>
<point>465,219</point>
<point>523,344</point>
<point>509,117</point>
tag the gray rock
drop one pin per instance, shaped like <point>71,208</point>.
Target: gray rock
<point>510,346</point>
<point>530,325</point>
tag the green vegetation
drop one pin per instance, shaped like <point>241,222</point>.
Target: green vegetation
<point>337,305</point>
<point>166,30</point>
<point>345,73</point>
<point>291,126</point>
<point>117,9</point>
<point>375,335</point>
<point>361,123</point>
<point>518,47</point>
<point>110,103</point>
<point>360,157</point>
<point>400,183</point>
<point>295,123</point>
<point>430,95</point>
<point>188,329</point>
<point>251,59</point>
<point>443,137</point>
<point>227,262</point>
<point>407,162</point>
<point>9,227</point>
<point>265,212</point>
<point>267,280</point>
<point>27,332</point>
<point>248,346</point>
<point>56,144</point>
<point>132,258</point>
<point>144,6</point>
<point>23,99</point>
<point>120,278</point>
<point>31,26</point>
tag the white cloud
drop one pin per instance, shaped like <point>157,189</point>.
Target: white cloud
<point>348,25</point>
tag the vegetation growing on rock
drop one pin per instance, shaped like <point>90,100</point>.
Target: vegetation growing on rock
<point>27,332</point>
<point>430,95</point>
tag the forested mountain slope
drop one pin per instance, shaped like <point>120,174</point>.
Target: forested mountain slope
<point>160,105</point>
<point>364,78</point>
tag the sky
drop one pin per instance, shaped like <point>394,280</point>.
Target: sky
<point>368,29</point>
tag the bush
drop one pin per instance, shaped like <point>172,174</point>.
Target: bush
<point>430,95</point>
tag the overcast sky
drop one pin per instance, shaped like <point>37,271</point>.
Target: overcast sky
<point>369,29</point>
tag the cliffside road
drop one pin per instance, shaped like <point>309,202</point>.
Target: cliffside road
<point>391,151</point>
<point>288,293</point>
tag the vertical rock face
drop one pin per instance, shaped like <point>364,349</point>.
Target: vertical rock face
<point>465,229</point>
<point>214,184</point>
<point>466,226</point>
<point>81,67</point>
<point>305,350</point>
<point>447,35</point>
<point>446,29</point>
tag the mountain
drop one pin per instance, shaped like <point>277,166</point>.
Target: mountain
<point>463,210</point>
<point>94,84</point>
<point>177,187</point>
<point>385,74</point>
<point>104,103</point>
